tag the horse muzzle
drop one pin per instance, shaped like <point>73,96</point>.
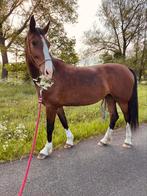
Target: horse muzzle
<point>48,72</point>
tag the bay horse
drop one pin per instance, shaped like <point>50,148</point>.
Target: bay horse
<point>79,86</point>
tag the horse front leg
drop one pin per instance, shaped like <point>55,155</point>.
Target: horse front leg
<point>50,119</point>
<point>69,135</point>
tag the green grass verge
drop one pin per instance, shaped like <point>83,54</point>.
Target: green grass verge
<point>18,112</point>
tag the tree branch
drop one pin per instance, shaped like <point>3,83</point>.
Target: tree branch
<point>133,15</point>
<point>15,34</point>
<point>13,7</point>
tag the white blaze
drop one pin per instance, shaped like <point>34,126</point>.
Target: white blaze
<point>48,71</point>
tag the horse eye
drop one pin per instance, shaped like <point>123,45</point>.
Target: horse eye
<point>34,43</point>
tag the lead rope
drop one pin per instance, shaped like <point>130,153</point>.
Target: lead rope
<point>33,145</point>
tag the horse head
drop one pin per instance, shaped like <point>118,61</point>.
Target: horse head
<point>37,48</point>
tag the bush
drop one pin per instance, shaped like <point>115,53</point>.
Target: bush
<point>18,71</point>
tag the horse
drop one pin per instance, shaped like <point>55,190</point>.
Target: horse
<point>80,86</point>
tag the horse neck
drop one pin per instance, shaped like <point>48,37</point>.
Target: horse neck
<point>59,65</point>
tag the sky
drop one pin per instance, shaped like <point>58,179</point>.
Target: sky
<point>87,16</point>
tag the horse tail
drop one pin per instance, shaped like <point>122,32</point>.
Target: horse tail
<point>133,105</point>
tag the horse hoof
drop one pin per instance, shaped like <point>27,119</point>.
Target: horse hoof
<point>127,145</point>
<point>68,146</point>
<point>102,144</point>
<point>41,156</point>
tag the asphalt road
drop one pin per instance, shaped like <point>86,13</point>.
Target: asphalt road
<point>85,170</point>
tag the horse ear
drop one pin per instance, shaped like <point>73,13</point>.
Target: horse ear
<point>32,24</point>
<point>45,29</point>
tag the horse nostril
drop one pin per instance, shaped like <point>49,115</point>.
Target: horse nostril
<point>47,72</point>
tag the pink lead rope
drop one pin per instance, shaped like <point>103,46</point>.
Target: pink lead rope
<point>33,146</point>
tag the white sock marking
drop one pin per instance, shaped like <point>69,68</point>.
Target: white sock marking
<point>69,137</point>
<point>48,60</point>
<point>48,148</point>
<point>108,136</point>
<point>128,139</point>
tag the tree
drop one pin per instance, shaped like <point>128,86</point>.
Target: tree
<point>123,19</point>
<point>138,59</point>
<point>106,57</point>
<point>143,60</point>
<point>59,11</point>
<point>8,34</point>
<point>65,49</point>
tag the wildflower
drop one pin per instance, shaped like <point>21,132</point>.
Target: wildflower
<point>3,127</point>
<point>20,132</point>
<point>44,82</point>
<point>5,145</point>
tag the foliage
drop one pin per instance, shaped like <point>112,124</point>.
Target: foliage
<point>18,103</point>
<point>15,67</point>
<point>68,54</point>
<point>18,71</point>
<point>106,57</point>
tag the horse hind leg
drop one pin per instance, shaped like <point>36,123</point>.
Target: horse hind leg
<point>69,135</point>
<point>111,104</point>
<point>128,138</point>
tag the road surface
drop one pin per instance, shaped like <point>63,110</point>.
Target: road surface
<point>85,170</point>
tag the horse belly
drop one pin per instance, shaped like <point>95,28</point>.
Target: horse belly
<point>84,96</point>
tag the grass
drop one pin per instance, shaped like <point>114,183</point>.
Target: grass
<point>18,112</point>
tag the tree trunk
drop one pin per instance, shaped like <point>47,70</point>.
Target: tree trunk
<point>140,75</point>
<point>124,49</point>
<point>4,55</point>
<point>4,62</point>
